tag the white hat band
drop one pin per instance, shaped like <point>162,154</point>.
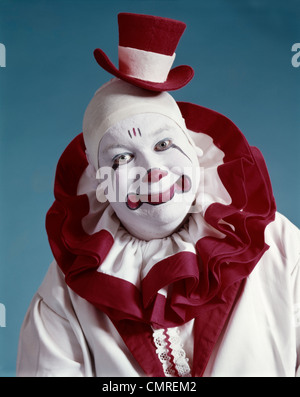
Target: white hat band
<point>145,65</point>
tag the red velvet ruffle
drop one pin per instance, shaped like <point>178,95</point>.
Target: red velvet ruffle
<point>200,282</point>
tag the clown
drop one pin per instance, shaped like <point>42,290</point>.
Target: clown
<point>149,192</point>
<point>169,256</point>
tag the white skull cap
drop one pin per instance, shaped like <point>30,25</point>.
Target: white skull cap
<point>116,101</point>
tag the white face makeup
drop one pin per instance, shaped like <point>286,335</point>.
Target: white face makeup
<point>149,169</point>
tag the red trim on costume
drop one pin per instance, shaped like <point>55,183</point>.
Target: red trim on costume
<point>171,357</point>
<point>204,285</point>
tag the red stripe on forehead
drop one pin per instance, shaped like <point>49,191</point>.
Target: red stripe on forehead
<point>134,132</point>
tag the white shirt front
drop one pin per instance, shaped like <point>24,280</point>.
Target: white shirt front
<point>64,335</point>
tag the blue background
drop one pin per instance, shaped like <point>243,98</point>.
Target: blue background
<point>241,53</point>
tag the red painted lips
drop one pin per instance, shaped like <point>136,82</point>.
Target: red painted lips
<point>182,185</point>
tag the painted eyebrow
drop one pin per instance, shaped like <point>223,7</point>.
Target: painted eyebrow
<point>160,130</point>
<point>116,146</point>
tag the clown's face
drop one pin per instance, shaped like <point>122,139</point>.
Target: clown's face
<point>149,170</point>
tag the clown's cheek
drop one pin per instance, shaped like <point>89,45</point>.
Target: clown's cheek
<point>121,185</point>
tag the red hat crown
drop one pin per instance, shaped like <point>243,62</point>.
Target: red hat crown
<point>149,33</point>
<point>147,47</point>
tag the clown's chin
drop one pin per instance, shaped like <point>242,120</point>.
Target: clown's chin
<point>135,200</point>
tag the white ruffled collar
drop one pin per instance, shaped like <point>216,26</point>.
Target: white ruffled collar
<point>130,258</point>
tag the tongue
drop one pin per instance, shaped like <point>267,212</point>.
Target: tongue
<point>133,201</point>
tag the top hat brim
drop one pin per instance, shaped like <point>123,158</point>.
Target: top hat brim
<point>177,78</point>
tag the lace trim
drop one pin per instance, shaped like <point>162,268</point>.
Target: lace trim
<point>171,353</point>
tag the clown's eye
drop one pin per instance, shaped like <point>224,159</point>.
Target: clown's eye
<point>123,158</point>
<point>162,145</point>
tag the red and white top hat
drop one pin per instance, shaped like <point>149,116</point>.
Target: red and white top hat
<point>146,53</point>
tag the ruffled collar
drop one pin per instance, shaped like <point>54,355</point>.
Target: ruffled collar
<point>166,282</point>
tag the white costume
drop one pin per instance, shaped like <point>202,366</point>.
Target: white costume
<point>64,335</point>
<point>208,285</point>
